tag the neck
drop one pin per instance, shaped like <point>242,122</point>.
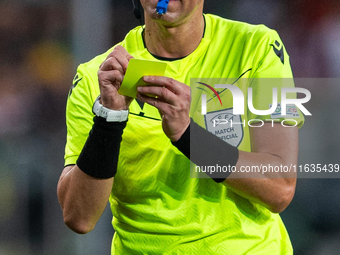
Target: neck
<point>175,41</point>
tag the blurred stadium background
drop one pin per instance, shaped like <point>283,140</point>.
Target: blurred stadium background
<point>42,42</point>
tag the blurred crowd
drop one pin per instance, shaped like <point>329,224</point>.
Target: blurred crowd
<point>37,64</point>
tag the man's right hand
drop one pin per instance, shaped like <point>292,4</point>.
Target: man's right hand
<point>110,76</point>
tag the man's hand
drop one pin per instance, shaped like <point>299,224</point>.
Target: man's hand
<point>110,76</point>
<point>172,99</point>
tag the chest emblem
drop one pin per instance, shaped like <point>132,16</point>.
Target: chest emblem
<point>225,125</point>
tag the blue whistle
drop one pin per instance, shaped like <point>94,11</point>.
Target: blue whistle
<point>162,6</point>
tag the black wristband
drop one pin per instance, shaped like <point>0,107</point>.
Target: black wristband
<point>205,149</point>
<point>99,156</point>
<point>183,143</point>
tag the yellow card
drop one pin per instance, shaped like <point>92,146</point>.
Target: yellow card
<point>138,68</point>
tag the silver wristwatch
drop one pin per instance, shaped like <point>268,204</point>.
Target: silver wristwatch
<point>108,114</point>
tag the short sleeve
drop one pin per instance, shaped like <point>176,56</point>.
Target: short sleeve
<point>273,70</point>
<point>271,59</point>
<point>79,116</point>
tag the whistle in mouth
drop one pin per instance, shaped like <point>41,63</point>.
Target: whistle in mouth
<point>162,6</point>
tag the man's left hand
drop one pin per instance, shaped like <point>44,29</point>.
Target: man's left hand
<point>172,99</point>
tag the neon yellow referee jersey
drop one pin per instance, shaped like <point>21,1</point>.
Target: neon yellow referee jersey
<point>157,208</point>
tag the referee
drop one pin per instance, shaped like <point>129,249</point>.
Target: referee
<point>135,153</point>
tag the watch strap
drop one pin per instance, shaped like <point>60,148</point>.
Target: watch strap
<point>110,115</point>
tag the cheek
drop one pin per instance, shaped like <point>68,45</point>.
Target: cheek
<point>192,4</point>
